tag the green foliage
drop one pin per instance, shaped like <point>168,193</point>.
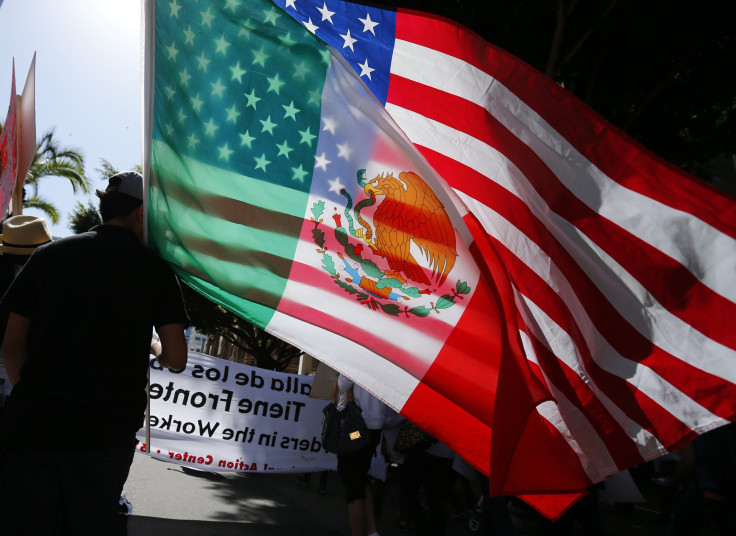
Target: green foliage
<point>317,209</point>
<point>421,311</point>
<point>42,205</point>
<point>444,302</point>
<point>328,264</point>
<point>390,308</point>
<point>54,160</point>
<point>370,267</point>
<point>83,218</point>
<point>462,287</point>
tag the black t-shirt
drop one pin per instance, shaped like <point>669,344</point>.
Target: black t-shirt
<point>92,300</point>
<point>10,266</point>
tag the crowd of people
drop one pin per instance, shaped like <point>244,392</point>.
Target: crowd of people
<point>694,489</point>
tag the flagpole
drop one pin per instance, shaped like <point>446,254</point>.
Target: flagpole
<point>148,409</point>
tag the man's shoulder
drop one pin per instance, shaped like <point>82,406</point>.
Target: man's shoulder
<point>60,245</point>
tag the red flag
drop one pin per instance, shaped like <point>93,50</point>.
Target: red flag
<point>8,152</point>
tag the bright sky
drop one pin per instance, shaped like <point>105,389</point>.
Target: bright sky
<point>87,82</point>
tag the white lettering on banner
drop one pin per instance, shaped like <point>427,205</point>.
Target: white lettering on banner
<point>218,415</point>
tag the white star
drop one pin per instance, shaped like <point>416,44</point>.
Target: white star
<point>190,36</point>
<point>222,45</point>
<point>326,13</point>
<point>321,162</point>
<point>344,151</point>
<point>172,50</point>
<point>218,88</point>
<point>290,3</point>
<point>174,9</point>
<point>197,103</point>
<point>368,24</point>
<point>365,70</point>
<point>193,141</point>
<point>348,40</point>
<point>207,18</point>
<point>184,77</point>
<point>311,26</point>
<point>210,127</point>
<point>232,114</point>
<point>330,125</point>
<point>202,62</point>
<point>336,185</point>
<point>225,152</point>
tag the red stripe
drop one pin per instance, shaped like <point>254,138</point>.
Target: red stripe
<point>620,157</point>
<point>639,407</point>
<point>460,372</point>
<point>469,438</point>
<point>668,283</point>
<point>620,446</point>
<point>396,350</point>
<point>709,390</point>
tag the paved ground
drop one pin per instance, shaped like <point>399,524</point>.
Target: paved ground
<point>170,500</point>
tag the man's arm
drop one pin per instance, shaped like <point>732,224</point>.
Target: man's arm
<point>14,345</point>
<point>171,351</point>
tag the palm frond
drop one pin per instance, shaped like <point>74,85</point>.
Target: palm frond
<point>44,206</point>
<point>53,160</point>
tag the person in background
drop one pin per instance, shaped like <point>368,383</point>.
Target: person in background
<point>353,468</point>
<point>707,475</point>
<point>76,348</point>
<point>21,236</point>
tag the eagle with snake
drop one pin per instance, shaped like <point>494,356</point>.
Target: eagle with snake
<point>411,212</point>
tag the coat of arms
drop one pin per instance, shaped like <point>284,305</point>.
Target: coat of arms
<point>378,262</point>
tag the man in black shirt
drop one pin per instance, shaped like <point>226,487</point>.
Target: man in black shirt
<point>77,350</point>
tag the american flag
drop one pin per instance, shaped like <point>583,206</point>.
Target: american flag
<point>622,265</point>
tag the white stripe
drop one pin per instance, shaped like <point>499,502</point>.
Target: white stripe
<point>574,426</point>
<point>626,294</point>
<point>551,335</point>
<point>376,374</point>
<point>640,376</point>
<point>706,252</point>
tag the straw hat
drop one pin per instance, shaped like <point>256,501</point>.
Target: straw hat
<point>23,234</point>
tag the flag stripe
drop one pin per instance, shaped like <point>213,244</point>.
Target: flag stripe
<point>698,370</point>
<point>451,425</point>
<point>455,373</point>
<point>614,374</point>
<point>427,104</point>
<point>511,179</point>
<point>575,396</point>
<point>396,384</point>
<point>591,135</point>
<point>560,344</point>
<point>691,374</point>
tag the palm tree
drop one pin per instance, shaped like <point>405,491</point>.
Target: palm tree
<point>53,160</point>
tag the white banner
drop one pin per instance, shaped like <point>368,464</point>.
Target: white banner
<point>219,415</point>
